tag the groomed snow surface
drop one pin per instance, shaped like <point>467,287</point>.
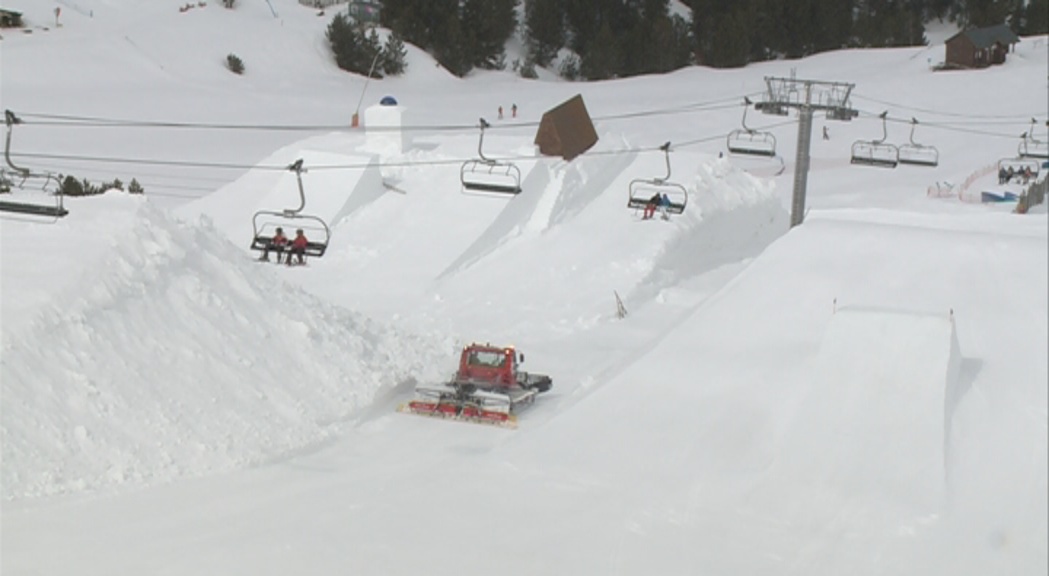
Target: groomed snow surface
<point>863,394</point>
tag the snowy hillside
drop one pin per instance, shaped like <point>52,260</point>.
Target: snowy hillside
<point>863,394</point>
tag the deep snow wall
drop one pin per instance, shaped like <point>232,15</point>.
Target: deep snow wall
<point>178,356</point>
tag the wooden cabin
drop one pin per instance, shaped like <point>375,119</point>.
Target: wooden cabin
<point>10,19</point>
<point>364,11</point>
<point>980,47</point>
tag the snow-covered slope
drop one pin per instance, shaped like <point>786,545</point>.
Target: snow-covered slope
<point>175,354</point>
<point>239,416</point>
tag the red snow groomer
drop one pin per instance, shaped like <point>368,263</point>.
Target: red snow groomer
<point>488,388</point>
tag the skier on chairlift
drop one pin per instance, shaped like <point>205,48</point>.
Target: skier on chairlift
<point>277,244</point>
<point>298,247</point>
<point>650,206</point>
<point>664,205</point>
<point>657,201</point>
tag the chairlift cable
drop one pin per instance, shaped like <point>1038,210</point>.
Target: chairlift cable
<point>947,126</point>
<point>349,166</point>
<point>68,121</point>
<point>1025,118</point>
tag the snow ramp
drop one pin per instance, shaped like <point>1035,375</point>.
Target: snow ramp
<point>335,184</point>
<point>553,194</point>
<point>565,253</point>
<point>874,419</point>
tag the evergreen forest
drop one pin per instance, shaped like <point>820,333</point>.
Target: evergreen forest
<point>602,39</point>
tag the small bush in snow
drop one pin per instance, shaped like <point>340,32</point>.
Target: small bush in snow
<point>234,64</point>
<point>70,186</point>
<point>527,70</point>
<point>570,67</point>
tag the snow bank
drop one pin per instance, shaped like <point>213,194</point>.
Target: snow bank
<point>735,216</point>
<point>179,356</point>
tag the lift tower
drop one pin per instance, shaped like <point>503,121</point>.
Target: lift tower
<point>805,96</point>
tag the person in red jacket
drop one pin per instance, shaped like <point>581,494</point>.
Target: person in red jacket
<point>277,244</point>
<point>298,247</point>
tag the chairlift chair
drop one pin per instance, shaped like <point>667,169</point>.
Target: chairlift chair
<point>876,152</point>
<point>749,141</point>
<point>489,177</point>
<point>918,154</point>
<point>1018,166</point>
<point>1031,147</point>
<point>265,222</point>
<point>24,187</point>
<point>641,189</point>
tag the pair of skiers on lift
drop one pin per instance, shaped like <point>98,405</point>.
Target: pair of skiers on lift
<point>661,201</point>
<point>279,242</point>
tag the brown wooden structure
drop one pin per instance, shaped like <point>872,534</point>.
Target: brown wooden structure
<point>566,130</point>
<point>979,47</point>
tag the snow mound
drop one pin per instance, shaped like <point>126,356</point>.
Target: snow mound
<point>179,356</point>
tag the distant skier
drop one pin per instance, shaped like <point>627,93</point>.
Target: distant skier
<point>500,112</point>
<point>513,111</point>
<point>826,134</point>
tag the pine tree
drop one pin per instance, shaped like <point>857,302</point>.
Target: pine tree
<point>683,42</point>
<point>979,13</point>
<point>393,55</point>
<point>730,45</point>
<point>353,49</point>
<point>486,26</point>
<point>569,68</point>
<point>1036,18</point>
<point>865,26</point>
<point>234,63</point>
<point>70,186</point>
<point>601,61</point>
<point>372,53</point>
<point>583,19</point>
<point>451,51</point>
<point>544,30</point>
<point>706,18</point>
<point>410,19</point>
<point>832,25</point>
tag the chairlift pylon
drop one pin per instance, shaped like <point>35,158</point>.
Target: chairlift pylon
<point>49,184</point>
<point>1030,147</point>
<point>487,176</point>
<point>918,154</point>
<point>643,190</point>
<point>876,152</point>
<point>265,222</point>
<point>748,141</point>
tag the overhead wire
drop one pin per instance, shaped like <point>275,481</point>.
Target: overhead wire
<point>71,121</point>
<point>95,122</point>
<point>282,168</point>
<point>61,120</point>
<point>1023,118</point>
<point>946,126</point>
